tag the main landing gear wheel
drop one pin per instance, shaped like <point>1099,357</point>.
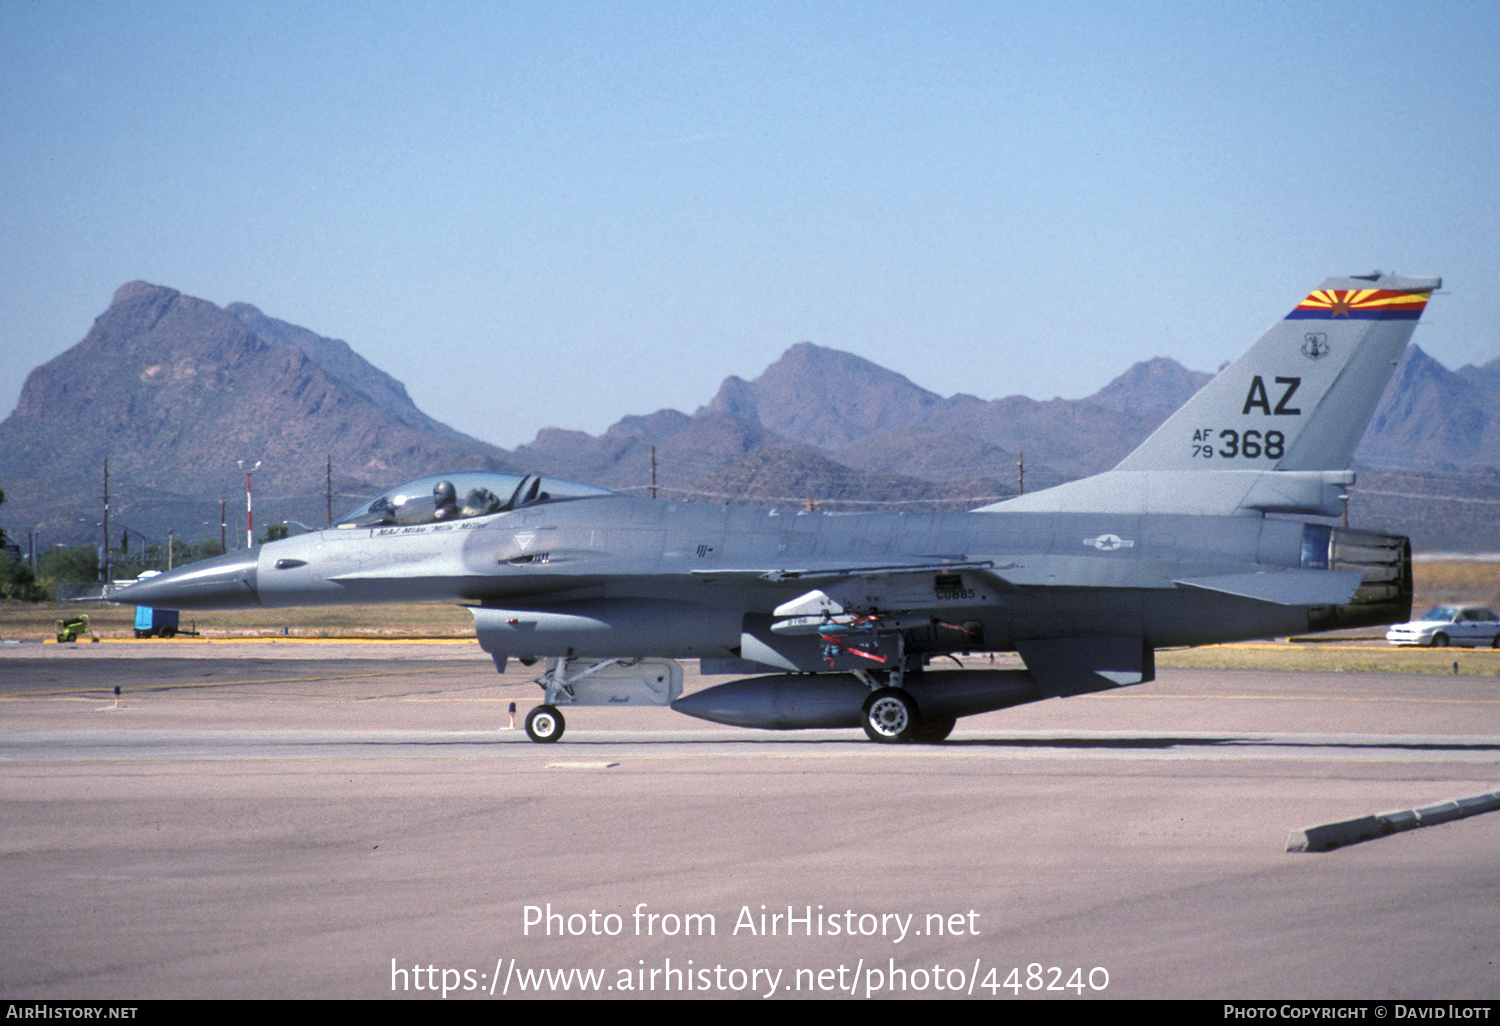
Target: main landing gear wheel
<point>931,731</point>
<point>889,716</point>
<point>544,724</point>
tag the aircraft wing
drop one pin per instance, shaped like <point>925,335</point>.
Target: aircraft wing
<point>881,583</point>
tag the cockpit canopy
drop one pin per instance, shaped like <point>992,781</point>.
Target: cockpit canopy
<point>462,495</point>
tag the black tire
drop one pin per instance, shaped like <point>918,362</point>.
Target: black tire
<point>933,731</point>
<point>889,716</point>
<point>545,724</point>
<point>169,632</point>
<point>1440,641</point>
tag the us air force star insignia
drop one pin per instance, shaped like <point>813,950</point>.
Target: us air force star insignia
<point>1110,542</point>
<point>1314,345</point>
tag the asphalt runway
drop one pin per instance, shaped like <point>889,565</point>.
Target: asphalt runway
<point>356,821</point>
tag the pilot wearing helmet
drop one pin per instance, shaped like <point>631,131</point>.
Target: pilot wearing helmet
<point>444,500</point>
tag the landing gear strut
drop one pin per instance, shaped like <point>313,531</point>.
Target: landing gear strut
<point>891,715</point>
<point>612,682</point>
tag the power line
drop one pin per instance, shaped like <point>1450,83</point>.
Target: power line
<point>1357,492</point>
<point>799,500</point>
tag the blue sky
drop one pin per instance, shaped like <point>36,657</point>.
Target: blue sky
<point>557,214</point>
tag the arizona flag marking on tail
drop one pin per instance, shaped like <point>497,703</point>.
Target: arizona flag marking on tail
<point>1361,304</point>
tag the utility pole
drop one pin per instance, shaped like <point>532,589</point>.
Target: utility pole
<point>108,568</point>
<point>653,472</point>
<point>1020,473</point>
<point>330,489</point>
<point>223,526</point>
<point>249,518</point>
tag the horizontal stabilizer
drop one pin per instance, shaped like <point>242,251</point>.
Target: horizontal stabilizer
<point>1077,666</point>
<point>1285,587</point>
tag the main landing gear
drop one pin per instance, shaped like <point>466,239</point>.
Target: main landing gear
<point>891,715</point>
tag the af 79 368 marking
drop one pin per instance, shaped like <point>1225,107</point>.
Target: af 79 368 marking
<point>1250,444</point>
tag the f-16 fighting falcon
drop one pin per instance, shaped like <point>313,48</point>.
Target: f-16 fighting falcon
<point>1193,539</point>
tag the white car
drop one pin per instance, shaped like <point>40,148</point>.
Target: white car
<point>1470,626</point>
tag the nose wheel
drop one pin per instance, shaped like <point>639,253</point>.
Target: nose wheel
<point>544,724</point>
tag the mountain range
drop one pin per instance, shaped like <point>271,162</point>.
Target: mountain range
<point>171,389</point>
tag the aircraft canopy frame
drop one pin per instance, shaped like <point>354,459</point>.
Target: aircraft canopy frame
<point>462,495</point>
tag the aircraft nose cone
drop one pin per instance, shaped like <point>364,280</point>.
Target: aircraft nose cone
<point>225,582</point>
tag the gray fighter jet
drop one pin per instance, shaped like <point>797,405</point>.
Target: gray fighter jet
<point>1194,538</point>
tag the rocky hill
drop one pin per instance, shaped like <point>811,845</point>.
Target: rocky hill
<point>1486,376</point>
<point>343,364</point>
<point>1430,415</point>
<point>172,390</point>
<point>833,406</point>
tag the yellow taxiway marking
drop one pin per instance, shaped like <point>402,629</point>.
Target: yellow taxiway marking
<point>1320,698</point>
<point>138,689</point>
<point>277,639</point>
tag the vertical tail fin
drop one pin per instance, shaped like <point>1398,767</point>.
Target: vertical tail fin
<point>1300,398</point>
<point>1275,430</point>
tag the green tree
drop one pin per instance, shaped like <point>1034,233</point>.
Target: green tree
<point>16,580</point>
<point>205,549</point>
<point>78,564</point>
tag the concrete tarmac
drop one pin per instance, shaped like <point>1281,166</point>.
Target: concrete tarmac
<point>261,820</point>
